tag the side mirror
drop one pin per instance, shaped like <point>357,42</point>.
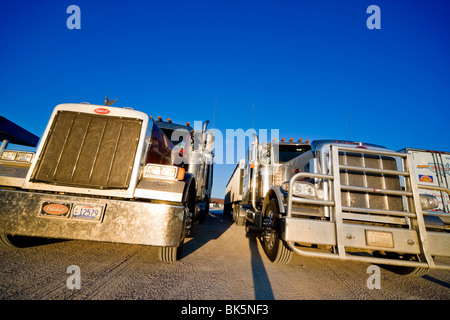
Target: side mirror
<point>209,141</point>
<point>253,149</point>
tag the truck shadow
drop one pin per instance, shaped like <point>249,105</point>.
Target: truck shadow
<point>28,242</point>
<point>437,281</point>
<point>261,282</point>
<point>216,223</point>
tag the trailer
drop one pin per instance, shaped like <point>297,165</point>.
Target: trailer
<point>104,173</point>
<point>233,192</point>
<point>343,200</point>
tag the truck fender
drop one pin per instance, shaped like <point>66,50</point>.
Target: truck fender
<point>274,193</point>
<point>189,186</point>
<point>166,190</point>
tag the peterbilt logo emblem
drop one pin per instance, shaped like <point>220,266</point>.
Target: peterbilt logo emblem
<point>55,209</point>
<point>161,184</point>
<point>101,111</point>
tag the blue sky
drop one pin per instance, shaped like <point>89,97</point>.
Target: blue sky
<point>312,69</point>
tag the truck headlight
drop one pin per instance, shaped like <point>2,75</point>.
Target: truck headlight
<point>9,155</point>
<point>17,156</point>
<point>24,156</point>
<point>428,201</point>
<point>163,172</point>
<point>304,189</point>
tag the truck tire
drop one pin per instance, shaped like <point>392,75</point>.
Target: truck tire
<point>227,209</point>
<point>173,254</point>
<point>275,248</point>
<point>170,254</point>
<point>240,221</point>
<point>5,241</point>
<point>203,213</point>
<point>404,271</point>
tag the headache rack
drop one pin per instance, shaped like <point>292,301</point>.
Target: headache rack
<point>89,151</point>
<point>373,206</point>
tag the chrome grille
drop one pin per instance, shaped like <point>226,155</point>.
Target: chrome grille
<point>369,180</point>
<point>87,150</point>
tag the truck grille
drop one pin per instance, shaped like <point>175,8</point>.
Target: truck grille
<point>87,150</point>
<point>369,180</point>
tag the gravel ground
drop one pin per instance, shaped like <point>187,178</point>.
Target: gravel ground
<point>222,262</point>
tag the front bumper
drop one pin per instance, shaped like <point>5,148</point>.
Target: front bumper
<point>122,221</point>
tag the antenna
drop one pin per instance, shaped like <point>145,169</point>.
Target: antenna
<point>214,116</point>
<point>349,137</point>
<point>253,116</point>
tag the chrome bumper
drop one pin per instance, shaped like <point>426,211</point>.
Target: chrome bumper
<point>122,221</point>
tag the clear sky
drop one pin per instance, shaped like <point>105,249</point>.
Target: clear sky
<point>312,68</point>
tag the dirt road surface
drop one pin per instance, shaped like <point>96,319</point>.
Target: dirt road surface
<point>221,262</point>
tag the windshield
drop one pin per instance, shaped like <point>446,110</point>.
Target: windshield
<point>288,152</point>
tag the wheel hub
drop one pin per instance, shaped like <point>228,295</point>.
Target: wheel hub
<point>269,230</point>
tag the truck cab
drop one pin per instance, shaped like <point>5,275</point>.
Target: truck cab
<point>101,173</point>
<point>343,200</point>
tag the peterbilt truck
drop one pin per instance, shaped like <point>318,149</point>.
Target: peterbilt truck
<point>341,200</point>
<point>108,174</point>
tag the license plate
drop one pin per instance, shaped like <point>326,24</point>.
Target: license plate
<point>379,239</point>
<point>85,212</point>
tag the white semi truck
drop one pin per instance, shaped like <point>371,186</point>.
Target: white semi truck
<point>341,200</point>
<point>105,173</point>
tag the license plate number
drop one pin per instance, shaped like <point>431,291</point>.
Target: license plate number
<point>379,239</point>
<point>92,213</point>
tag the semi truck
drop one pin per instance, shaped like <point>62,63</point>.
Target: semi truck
<point>110,174</point>
<point>343,200</point>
